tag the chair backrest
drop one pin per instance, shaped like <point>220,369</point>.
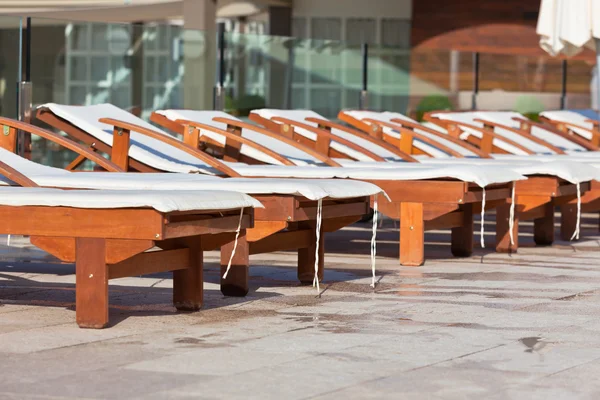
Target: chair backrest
<point>576,117</point>
<point>426,147</point>
<point>506,118</point>
<point>26,167</point>
<point>470,117</point>
<point>297,156</point>
<point>144,149</point>
<point>302,115</point>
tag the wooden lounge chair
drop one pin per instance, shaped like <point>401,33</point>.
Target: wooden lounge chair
<point>288,221</point>
<point>576,125</point>
<point>558,191</point>
<point>111,241</point>
<point>455,195</point>
<point>535,197</point>
<point>419,204</point>
<point>571,148</point>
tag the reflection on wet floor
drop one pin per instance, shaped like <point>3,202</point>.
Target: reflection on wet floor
<point>488,313</point>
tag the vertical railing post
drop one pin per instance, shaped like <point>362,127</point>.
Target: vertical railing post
<point>363,100</point>
<point>563,91</point>
<point>596,101</point>
<point>475,80</point>
<point>24,97</point>
<point>219,93</point>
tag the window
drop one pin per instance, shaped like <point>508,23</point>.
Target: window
<point>299,28</point>
<point>395,33</point>
<point>359,31</point>
<point>326,28</point>
<point>96,67</point>
<point>163,68</point>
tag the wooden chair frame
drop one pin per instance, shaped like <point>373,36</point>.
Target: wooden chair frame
<point>109,243</point>
<point>536,196</point>
<point>286,223</point>
<point>525,126</point>
<point>420,205</point>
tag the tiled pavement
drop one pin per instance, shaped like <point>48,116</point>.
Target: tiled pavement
<point>492,326</point>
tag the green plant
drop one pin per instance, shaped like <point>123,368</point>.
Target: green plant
<point>246,103</point>
<point>434,102</point>
<point>528,105</point>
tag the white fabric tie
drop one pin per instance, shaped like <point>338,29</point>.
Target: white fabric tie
<point>8,241</point>
<point>374,241</point>
<point>578,224</point>
<point>482,220</point>
<point>235,243</point>
<point>511,217</point>
<point>318,234</point>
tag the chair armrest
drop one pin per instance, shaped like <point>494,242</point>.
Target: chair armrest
<point>528,136</point>
<point>169,140</point>
<point>407,132</point>
<point>595,123</point>
<point>324,138</point>
<point>235,135</point>
<point>284,139</point>
<point>468,146</point>
<point>9,172</point>
<point>9,142</point>
<point>490,135</point>
<point>379,142</point>
<point>566,133</point>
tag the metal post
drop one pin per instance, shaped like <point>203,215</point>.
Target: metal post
<point>363,101</point>
<point>28,51</point>
<point>597,41</point>
<point>454,71</point>
<point>475,80</point>
<point>24,98</point>
<point>219,95</point>
<point>563,91</point>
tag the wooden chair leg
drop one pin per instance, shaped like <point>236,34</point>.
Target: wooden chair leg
<point>237,282</point>
<point>543,228</point>
<point>412,234</point>
<point>568,221</point>
<point>188,284</point>
<point>91,277</point>
<point>503,244</point>
<point>462,237</point>
<point>306,256</point>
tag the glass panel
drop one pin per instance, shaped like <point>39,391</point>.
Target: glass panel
<point>99,35</point>
<point>581,84</point>
<point>395,33</point>
<point>299,27</point>
<point>77,95</point>
<point>360,30</point>
<point>78,33</point>
<point>326,28</point>
<point>526,84</point>
<point>78,67</point>
<point>325,101</point>
<point>9,65</point>
<point>100,67</point>
<point>438,79</point>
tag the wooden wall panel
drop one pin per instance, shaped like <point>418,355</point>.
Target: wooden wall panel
<point>433,18</point>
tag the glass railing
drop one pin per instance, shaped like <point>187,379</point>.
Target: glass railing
<point>11,69</point>
<point>322,75</point>
<point>145,67</point>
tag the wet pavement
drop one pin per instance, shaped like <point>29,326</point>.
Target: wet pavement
<point>492,326</point>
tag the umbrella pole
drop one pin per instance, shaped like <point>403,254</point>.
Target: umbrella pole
<point>597,41</point>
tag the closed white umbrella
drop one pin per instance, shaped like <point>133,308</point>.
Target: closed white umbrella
<point>567,26</point>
